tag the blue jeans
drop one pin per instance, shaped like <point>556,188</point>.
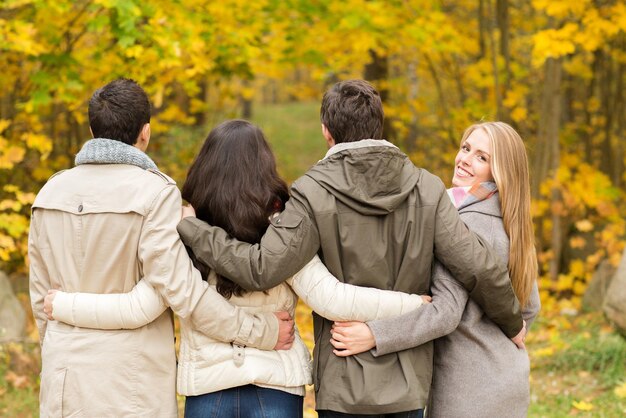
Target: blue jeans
<point>418,413</point>
<point>244,402</point>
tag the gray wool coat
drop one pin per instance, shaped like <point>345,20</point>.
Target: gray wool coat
<point>478,371</point>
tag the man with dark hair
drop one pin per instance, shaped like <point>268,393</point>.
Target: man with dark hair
<point>376,220</point>
<point>352,111</point>
<point>99,228</point>
<point>119,110</point>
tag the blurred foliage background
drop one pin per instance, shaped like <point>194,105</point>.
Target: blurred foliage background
<point>554,69</point>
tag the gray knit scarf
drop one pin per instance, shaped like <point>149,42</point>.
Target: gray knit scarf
<point>110,151</point>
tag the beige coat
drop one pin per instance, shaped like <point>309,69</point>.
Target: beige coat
<point>98,228</point>
<point>206,364</point>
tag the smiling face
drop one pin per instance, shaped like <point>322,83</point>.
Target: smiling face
<point>473,161</point>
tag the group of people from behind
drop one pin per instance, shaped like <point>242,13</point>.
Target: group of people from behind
<point>411,308</point>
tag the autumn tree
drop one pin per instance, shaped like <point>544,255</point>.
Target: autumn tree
<point>554,69</point>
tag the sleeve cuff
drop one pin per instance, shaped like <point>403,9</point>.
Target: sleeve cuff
<point>243,337</point>
<point>379,349</point>
<point>512,331</point>
<point>187,229</point>
<point>62,307</point>
<point>270,336</point>
<point>259,331</point>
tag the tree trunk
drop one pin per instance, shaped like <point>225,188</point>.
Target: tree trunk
<point>502,7</point>
<point>481,41</point>
<point>413,93</point>
<point>245,102</point>
<point>377,72</point>
<point>444,115</point>
<point>201,116</point>
<point>246,108</point>
<point>607,112</point>
<point>481,28</point>
<point>619,126</point>
<point>458,70</point>
<point>586,131</point>
<point>494,64</point>
<point>548,155</point>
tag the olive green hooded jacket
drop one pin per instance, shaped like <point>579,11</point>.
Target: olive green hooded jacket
<point>375,220</point>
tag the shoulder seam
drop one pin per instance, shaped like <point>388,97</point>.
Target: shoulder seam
<point>56,174</point>
<point>163,176</point>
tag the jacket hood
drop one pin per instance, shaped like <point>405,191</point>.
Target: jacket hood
<point>372,177</point>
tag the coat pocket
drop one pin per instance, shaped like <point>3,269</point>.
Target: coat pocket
<point>284,227</point>
<point>51,394</point>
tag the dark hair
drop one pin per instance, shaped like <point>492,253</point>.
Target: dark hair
<point>352,111</point>
<point>119,110</point>
<point>233,184</point>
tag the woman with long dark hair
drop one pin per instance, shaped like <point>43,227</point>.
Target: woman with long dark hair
<point>233,183</point>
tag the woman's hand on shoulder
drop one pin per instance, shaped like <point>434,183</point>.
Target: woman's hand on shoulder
<point>187,211</point>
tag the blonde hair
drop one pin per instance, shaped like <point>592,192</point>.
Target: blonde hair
<point>509,167</point>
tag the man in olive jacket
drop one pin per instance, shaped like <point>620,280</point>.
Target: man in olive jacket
<point>375,220</point>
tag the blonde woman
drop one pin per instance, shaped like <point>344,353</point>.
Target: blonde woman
<point>478,371</point>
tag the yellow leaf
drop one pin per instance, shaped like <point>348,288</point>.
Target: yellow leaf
<point>134,51</point>
<point>519,114</point>
<point>11,156</point>
<point>579,67</point>
<point>553,43</point>
<point>38,142</point>
<point>4,123</point>
<point>7,242</point>
<point>577,242</point>
<point>13,205</point>
<point>544,352</point>
<point>577,268</point>
<point>579,288</point>
<point>247,93</point>
<point>25,198</point>
<point>584,226</point>
<point>11,188</point>
<point>582,406</point>
<point>22,37</point>
<point>620,390</point>
<point>565,282</point>
<point>42,173</point>
<point>157,99</point>
<point>619,15</point>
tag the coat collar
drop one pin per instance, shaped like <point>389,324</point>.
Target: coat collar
<point>490,206</point>
<point>364,143</point>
